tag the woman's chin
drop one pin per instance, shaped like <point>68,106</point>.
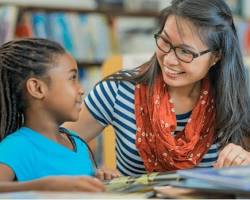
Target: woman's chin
<point>172,81</point>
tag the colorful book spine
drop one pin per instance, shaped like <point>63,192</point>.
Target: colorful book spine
<point>8,20</point>
<point>39,24</point>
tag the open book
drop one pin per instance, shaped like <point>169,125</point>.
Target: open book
<point>193,183</point>
<point>141,183</point>
<point>237,178</point>
<point>233,182</point>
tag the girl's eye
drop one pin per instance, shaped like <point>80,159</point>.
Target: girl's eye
<point>74,77</point>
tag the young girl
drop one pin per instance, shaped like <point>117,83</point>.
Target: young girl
<point>40,90</point>
<point>186,107</point>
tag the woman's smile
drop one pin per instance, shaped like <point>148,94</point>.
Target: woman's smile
<point>172,73</point>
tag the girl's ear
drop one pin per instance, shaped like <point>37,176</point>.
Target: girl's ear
<point>36,88</point>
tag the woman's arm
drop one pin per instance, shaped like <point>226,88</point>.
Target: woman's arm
<point>87,127</point>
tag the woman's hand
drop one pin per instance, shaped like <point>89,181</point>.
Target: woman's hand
<point>107,174</point>
<point>232,155</point>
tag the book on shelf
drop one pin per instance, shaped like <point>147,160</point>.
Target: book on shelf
<point>24,26</point>
<point>73,21</point>
<point>39,24</point>
<point>99,36</point>
<point>59,30</point>
<point>8,19</point>
<point>85,36</point>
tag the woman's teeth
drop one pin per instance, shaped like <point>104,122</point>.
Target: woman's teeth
<point>167,70</point>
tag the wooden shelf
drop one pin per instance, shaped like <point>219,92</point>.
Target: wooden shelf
<point>108,12</point>
<point>72,4</point>
<point>88,64</point>
<point>75,7</point>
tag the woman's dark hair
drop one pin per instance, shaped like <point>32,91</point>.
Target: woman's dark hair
<point>20,60</point>
<point>214,24</point>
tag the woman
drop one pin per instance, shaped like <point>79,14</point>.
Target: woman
<point>186,107</point>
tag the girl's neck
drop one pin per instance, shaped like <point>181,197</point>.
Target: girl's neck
<point>43,124</point>
<point>48,130</point>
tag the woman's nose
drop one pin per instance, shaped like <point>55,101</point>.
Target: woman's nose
<point>81,90</point>
<point>170,58</point>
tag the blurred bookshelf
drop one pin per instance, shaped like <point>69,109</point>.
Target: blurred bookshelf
<point>105,11</point>
<point>85,28</point>
<point>92,30</point>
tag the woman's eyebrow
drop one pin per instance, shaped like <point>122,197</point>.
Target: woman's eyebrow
<point>166,34</point>
<point>181,45</point>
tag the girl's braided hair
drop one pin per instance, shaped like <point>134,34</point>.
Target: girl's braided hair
<point>20,60</point>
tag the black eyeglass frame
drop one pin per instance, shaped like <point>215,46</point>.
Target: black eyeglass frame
<point>195,55</point>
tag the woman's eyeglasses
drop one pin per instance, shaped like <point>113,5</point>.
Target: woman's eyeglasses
<point>182,54</point>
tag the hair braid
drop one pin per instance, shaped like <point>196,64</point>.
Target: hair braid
<point>19,60</point>
<point>3,106</point>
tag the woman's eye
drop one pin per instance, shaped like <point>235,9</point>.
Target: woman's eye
<point>185,52</point>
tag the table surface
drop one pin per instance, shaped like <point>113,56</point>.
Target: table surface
<point>68,195</point>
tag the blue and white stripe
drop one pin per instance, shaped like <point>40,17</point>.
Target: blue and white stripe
<point>113,103</point>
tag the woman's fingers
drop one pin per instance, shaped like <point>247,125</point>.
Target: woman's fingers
<point>232,155</point>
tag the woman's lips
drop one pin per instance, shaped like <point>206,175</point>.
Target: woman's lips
<point>172,73</point>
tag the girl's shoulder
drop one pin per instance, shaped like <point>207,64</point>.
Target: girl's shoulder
<point>17,141</point>
<point>15,136</point>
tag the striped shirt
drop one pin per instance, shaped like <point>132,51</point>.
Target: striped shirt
<point>112,102</point>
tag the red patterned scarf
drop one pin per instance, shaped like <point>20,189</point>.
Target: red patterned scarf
<point>156,121</point>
